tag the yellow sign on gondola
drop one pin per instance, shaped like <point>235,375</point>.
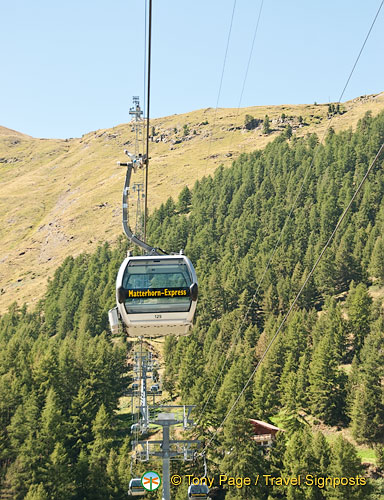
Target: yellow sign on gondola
<point>158,292</point>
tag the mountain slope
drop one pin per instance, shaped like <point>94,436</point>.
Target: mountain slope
<point>9,132</point>
<point>62,197</point>
<point>62,374</point>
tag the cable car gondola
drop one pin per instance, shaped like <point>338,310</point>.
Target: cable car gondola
<point>156,295</point>
<point>198,491</point>
<point>135,488</point>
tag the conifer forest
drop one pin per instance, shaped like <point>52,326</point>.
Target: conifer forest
<point>63,434</point>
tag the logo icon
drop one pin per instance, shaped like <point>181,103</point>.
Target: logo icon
<point>150,480</point>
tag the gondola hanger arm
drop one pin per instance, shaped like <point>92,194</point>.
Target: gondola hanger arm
<point>135,163</point>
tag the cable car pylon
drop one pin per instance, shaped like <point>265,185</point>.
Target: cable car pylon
<point>156,295</point>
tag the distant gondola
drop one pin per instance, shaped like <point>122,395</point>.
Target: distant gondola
<point>156,295</point>
<point>135,488</point>
<point>198,491</point>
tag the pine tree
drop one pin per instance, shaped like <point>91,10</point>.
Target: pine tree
<point>332,323</point>
<point>377,260</point>
<point>24,422</point>
<point>186,377</point>
<point>99,454</point>
<point>367,409</point>
<point>359,313</point>
<point>346,267</point>
<point>81,414</point>
<point>345,463</point>
<point>124,463</point>
<point>185,200</point>
<point>302,382</point>
<point>242,455</point>
<point>304,456</point>
<point>327,384</point>
<point>288,381</point>
<point>288,131</point>
<point>81,474</point>
<point>89,312</point>
<point>53,428</point>
<point>266,125</point>
<point>232,384</point>
<point>37,492</point>
<point>27,469</point>
<point>102,430</point>
<point>59,482</point>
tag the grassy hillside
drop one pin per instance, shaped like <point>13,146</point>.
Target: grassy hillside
<point>61,197</point>
<point>61,377</point>
<point>9,132</point>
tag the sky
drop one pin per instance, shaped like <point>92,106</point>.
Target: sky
<point>69,68</point>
